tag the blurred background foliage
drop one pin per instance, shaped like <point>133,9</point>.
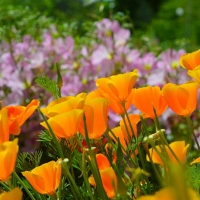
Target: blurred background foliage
<point>155,23</point>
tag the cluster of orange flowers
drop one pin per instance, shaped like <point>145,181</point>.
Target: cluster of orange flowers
<point>87,114</point>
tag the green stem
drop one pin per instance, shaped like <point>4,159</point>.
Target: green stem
<point>156,171</point>
<point>156,120</point>
<point>94,167</point>
<point>129,135</point>
<point>83,171</point>
<point>144,167</point>
<point>5,186</point>
<point>72,180</point>
<point>53,196</point>
<point>60,152</point>
<point>166,143</point>
<point>129,121</point>
<point>191,130</point>
<point>24,186</point>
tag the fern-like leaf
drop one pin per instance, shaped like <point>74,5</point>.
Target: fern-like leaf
<point>49,85</point>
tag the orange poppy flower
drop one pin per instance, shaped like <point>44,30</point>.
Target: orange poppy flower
<point>65,125</point>
<point>116,106</point>
<point>117,89</point>
<point>8,155</point>
<point>4,126</point>
<point>62,105</point>
<point>17,115</point>
<point>15,194</point>
<point>45,179</point>
<point>190,60</point>
<point>94,94</point>
<point>195,74</point>
<point>148,97</point>
<point>178,147</point>
<point>108,176</point>
<point>182,99</point>
<point>96,113</point>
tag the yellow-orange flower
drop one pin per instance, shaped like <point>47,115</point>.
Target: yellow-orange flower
<point>195,74</point>
<point>14,194</point>
<point>108,176</point>
<point>19,114</point>
<point>45,179</point>
<point>178,147</point>
<point>169,193</point>
<point>4,126</point>
<point>190,60</point>
<point>94,94</point>
<point>65,125</point>
<point>182,99</point>
<point>96,113</point>
<point>63,105</point>
<point>117,89</point>
<point>8,155</point>
<point>148,97</point>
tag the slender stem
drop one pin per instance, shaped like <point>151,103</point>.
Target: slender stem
<point>144,167</point>
<point>5,186</point>
<point>156,119</point>
<point>156,171</point>
<point>94,167</point>
<point>53,135</point>
<point>72,180</point>
<point>43,197</point>
<point>53,196</point>
<point>86,132</point>
<point>166,143</point>
<point>131,127</point>
<point>24,186</point>
<point>85,176</point>
<point>189,123</point>
<point>129,135</point>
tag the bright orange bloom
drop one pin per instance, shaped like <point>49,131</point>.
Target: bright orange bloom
<point>178,147</point>
<point>169,193</point>
<point>190,60</point>
<point>108,176</point>
<point>117,89</point>
<point>65,125</point>
<point>8,155</point>
<point>119,134</point>
<point>182,99</point>
<point>195,74</point>
<point>45,179</point>
<point>63,105</point>
<point>15,194</point>
<point>94,94</point>
<point>96,113</point>
<point>19,114</point>
<point>116,106</point>
<point>148,97</point>
<point>4,126</point>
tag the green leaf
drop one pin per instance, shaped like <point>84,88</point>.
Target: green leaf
<point>193,176</point>
<point>49,85</point>
<point>119,151</point>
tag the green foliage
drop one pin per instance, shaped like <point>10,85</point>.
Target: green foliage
<point>176,24</point>
<point>49,85</point>
<point>193,176</point>
<point>134,144</point>
<point>15,22</point>
<point>27,161</point>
